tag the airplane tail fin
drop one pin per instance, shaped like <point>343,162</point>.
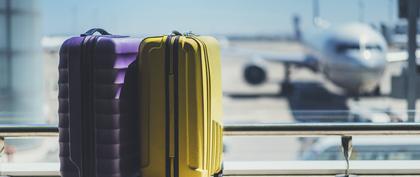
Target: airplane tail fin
<point>386,32</point>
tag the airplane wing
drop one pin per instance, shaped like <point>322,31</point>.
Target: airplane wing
<point>399,56</point>
<point>300,59</point>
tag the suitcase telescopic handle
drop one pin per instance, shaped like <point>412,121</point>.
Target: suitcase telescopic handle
<point>94,30</point>
<point>177,33</point>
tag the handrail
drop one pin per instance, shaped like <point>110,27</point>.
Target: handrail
<point>257,168</point>
<point>28,130</point>
<point>323,129</point>
<point>289,129</point>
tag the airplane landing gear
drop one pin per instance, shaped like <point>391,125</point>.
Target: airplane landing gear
<point>286,88</point>
<point>286,85</point>
<point>377,91</point>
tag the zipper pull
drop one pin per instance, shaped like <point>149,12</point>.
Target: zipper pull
<point>190,33</point>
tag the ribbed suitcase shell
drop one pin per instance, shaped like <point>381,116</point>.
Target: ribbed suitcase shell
<point>113,93</point>
<point>180,101</point>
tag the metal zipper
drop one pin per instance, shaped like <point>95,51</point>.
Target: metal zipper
<point>88,115</point>
<point>176,105</point>
<point>206,62</point>
<point>167,107</point>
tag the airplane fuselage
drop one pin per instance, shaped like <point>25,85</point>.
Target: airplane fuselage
<point>351,56</point>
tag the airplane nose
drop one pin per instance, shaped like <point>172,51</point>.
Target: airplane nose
<point>368,60</point>
<point>360,74</point>
<point>370,67</point>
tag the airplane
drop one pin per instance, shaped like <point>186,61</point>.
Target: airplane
<point>352,56</point>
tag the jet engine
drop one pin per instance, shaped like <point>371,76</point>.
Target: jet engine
<point>255,73</point>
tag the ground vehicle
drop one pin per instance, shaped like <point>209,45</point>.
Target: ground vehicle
<point>366,148</point>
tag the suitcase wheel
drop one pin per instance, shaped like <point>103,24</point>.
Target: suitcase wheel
<point>220,173</point>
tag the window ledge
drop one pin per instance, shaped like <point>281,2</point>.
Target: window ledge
<point>258,168</point>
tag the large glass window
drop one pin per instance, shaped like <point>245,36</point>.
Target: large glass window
<point>302,77</point>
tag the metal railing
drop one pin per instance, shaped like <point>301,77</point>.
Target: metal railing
<point>300,129</point>
<point>345,130</point>
<point>323,129</point>
<point>28,130</point>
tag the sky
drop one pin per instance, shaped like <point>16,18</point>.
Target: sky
<point>155,17</point>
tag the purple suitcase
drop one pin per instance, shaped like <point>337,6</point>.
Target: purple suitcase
<point>97,113</point>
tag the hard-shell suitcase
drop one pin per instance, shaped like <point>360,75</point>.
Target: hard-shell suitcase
<point>98,131</point>
<point>180,106</point>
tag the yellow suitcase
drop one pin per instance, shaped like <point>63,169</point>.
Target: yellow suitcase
<point>180,106</point>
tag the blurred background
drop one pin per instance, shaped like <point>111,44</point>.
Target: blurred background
<point>282,62</point>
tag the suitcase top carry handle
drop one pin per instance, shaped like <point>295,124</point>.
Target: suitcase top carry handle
<point>177,33</point>
<point>94,30</point>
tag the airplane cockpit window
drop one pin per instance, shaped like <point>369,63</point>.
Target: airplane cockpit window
<point>281,63</point>
<point>342,48</point>
<point>373,47</point>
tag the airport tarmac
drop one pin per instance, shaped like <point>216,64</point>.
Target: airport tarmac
<point>259,104</point>
<point>315,97</point>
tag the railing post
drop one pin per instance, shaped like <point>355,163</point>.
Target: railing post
<point>2,145</point>
<point>347,147</point>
